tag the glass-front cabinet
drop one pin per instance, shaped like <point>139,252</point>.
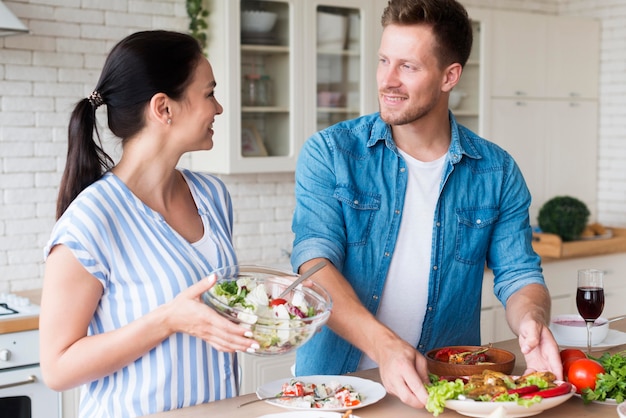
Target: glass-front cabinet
<point>338,64</point>
<point>285,69</point>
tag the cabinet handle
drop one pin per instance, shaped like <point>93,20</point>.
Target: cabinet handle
<point>30,379</point>
<point>518,103</point>
<point>520,93</point>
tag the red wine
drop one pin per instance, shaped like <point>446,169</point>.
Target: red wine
<point>590,302</point>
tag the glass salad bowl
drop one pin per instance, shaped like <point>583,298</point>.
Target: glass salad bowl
<point>249,295</point>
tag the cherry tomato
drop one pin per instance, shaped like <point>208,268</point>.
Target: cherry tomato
<point>277,301</point>
<point>571,353</point>
<point>583,372</point>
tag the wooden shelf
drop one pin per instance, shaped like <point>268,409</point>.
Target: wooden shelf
<point>552,246</point>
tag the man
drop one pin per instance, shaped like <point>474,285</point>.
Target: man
<point>408,206</point>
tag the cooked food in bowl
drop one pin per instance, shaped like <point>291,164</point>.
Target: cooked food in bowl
<point>570,330</point>
<point>468,360</point>
<point>250,295</point>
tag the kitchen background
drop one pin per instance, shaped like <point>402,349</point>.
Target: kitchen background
<point>44,73</point>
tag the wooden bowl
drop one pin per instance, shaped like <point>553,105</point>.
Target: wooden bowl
<point>503,361</point>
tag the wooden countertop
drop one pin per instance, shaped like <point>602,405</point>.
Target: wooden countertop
<point>390,406</point>
<point>26,323</point>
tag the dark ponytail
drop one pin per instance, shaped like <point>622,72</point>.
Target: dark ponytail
<point>138,67</point>
<point>86,160</point>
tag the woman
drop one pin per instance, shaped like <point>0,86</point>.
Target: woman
<point>121,311</point>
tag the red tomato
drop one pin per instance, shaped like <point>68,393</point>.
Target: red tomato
<point>567,364</point>
<point>583,372</point>
<point>571,353</point>
<point>277,301</point>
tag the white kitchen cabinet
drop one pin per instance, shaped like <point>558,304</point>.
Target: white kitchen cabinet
<point>544,56</point>
<point>573,60</point>
<point>294,61</point>
<point>471,111</point>
<point>554,142</point>
<point>543,105</point>
<point>257,371</point>
<point>518,55</point>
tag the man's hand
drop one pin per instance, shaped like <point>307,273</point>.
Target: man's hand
<point>404,373</point>
<point>540,350</point>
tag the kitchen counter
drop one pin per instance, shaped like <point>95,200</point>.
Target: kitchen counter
<point>390,406</point>
<point>23,323</point>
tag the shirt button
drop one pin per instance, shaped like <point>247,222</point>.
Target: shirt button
<point>478,221</point>
<point>430,309</point>
<point>356,202</point>
<point>402,170</point>
<point>397,212</point>
<point>375,297</point>
<point>386,254</point>
<point>434,267</point>
<point>438,224</point>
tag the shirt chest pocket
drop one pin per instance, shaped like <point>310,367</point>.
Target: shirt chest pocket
<point>359,209</point>
<point>473,233</point>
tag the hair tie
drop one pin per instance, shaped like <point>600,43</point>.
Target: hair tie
<point>95,99</point>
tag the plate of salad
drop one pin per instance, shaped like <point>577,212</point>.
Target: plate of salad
<point>481,395</point>
<point>610,386</point>
<point>330,393</point>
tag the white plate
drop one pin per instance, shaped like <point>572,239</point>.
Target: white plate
<point>307,414</point>
<point>610,402</point>
<point>613,339</point>
<point>371,391</point>
<point>513,410</point>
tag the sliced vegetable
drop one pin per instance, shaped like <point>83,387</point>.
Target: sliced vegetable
<point>524,390</point>
<point>277,301</point>
<point>562,389</point>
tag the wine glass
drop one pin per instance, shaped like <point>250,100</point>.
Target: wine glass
<point>590,298</point>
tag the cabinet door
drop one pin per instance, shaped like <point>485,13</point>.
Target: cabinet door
<point>257,371</point>
<point>574,57</point>
<point>571,155</point>
<point>254,135</point>
<point>519,54</point>
<point>518,126</point>
<point>343,36</point>
<point>470,112</point>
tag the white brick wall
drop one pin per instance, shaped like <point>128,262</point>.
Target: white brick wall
<point>44,73</point>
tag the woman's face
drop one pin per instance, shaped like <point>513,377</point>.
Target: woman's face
<point>199,108</point>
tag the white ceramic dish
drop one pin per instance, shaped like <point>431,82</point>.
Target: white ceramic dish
<point>570,329</point>
<point>621,410</point>
<point>513,410</point>
<point>372,391</point>
<point>306,414</point>
<point>609,402</point>
<point>257,21</point>
<point>613,339</point>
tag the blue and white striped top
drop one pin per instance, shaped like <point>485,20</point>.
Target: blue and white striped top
<point>143,263</point>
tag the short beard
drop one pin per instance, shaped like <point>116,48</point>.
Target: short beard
<point>406,116</point>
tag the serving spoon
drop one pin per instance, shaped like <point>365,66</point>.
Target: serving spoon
<point>302,278</point>
<point>619,318</point>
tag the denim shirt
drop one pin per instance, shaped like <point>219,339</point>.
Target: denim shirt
<point>350,188</point>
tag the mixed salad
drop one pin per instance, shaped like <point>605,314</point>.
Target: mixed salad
<point>282,322</point>
<point>493,386</point>
<point>333,395</point>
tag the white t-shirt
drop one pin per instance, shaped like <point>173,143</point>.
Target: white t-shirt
<point>405,295</point>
